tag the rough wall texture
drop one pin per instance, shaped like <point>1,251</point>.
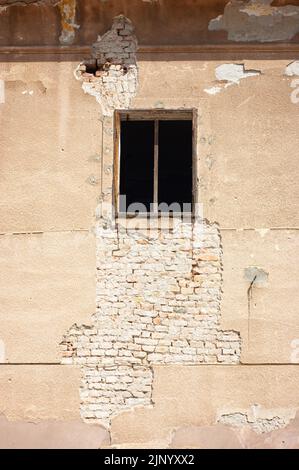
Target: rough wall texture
<point>257,20</point>
<point>114,74</point>
<point>186,396</point>
<point>161,22</point>
<point>256,418</point>
<point>259,172</point>
<point>158,302</point>
<point>67,10</point>
<point>162,330</point>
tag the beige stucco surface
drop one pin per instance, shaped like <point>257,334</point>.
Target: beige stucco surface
<point>50,137</point>
<point>47,284</point>
<point>50,434</point>
<point>272,322</point>
<point>51,158</point>
<point>238,146</point>
<point>39,408</point>
<point>247,178</point>
<point>255,148</point>
<point>211,391</point>
<point>39,392</point>
<point>224,437</point>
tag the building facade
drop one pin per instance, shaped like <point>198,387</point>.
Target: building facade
<point>157,330</point>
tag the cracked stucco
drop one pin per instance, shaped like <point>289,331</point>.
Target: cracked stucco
<point>258,419</point>
<point>158,302</point>
<point>257,20</point>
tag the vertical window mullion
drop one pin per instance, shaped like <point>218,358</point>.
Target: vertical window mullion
<point>156,163</point>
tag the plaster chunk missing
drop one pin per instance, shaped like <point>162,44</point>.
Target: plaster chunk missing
<point>257,20</point>
<point>292,69</point>
<point>231,74</point>
<point>213,90</point>
<point>158,302</point>
<point>257,276</point>
<point>111,75</point>
<point>258,419</point>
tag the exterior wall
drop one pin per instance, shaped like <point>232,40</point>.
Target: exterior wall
<point>158,302</point>
<point>56,175</point>
<point>158,22</point>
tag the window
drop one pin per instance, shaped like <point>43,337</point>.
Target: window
<point>153,165</point>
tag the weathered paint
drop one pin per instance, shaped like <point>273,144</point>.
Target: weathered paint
<point>257,20</point>
<point>56,170</point>
<point>67,10</point>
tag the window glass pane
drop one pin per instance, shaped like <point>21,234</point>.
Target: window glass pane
<point>175,162</point>
<point>137,163</point>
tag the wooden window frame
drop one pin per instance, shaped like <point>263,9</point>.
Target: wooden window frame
<point>156,116</point>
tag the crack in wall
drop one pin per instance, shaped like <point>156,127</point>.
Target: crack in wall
<point>249,300</point>
<point>257,20</point>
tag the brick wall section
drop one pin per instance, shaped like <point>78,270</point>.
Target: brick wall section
<point>111,75</point>
<point>158,302</point>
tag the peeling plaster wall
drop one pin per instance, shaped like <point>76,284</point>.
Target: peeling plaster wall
<point>66,187</point>
<point>230,74</point>
<point>257,20</point>
<point>55,179</point>
<point>67,10</point>
<point>158,302</point>
<point>114,74</point>
<point>292,69</point>
<point>167,22</point>
<point>165,305</point>
<point>259,424</point>
<point>215,390</point>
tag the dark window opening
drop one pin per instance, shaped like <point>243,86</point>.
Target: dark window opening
<point>137,163</point>
<point>175,162</point>
<point>155,165</point>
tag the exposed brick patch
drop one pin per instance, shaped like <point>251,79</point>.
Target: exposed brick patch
<point>111,75</point>
<point>158,302</point>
